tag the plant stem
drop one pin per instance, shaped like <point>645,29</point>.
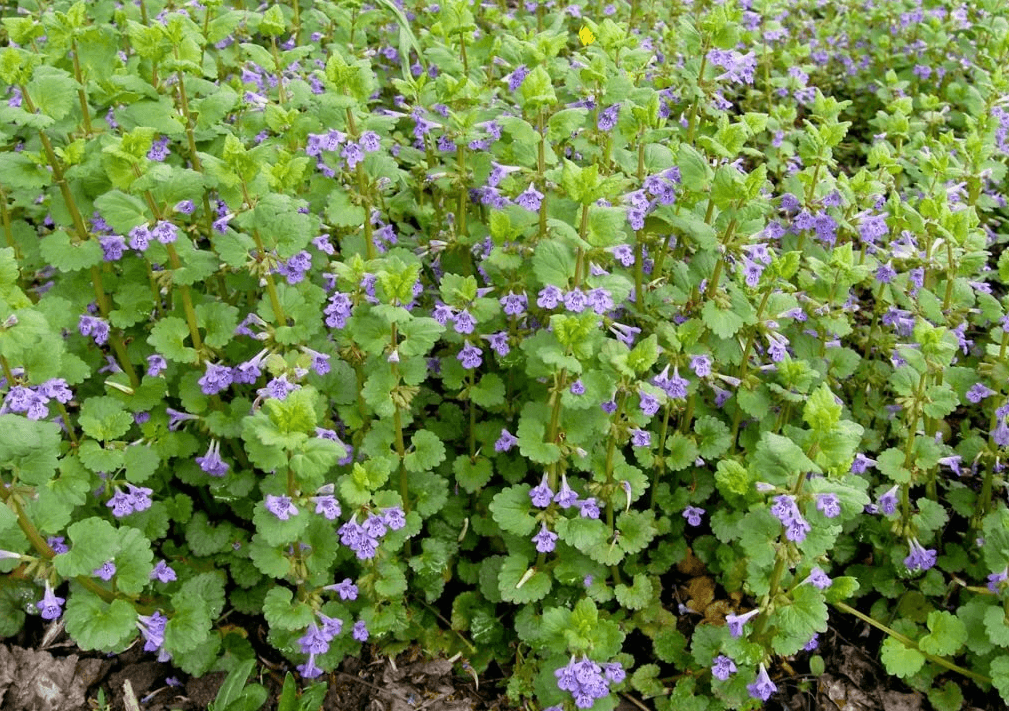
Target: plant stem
<point>907,641</point>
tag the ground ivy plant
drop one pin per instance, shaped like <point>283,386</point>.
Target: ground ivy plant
<point>628,347</point>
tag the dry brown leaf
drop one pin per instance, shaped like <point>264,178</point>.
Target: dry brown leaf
<point>700,591</point>
<point>691,564</point>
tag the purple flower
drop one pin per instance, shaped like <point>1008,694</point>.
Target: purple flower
<point>163,572</point>
<point>979,392</point>
<point>360,631</point>
<point>861,463</point>
<point>641,438</point>
<point>920,558</point>
<point>566,497</point>
<point>211,462</point>
<point>675,387</point>
<point>888,501</point>
<point>105,571</point>
<point>545,540</point>
<point>541,494</point>
<point>346,589</point>
<point>327,505</point>
<point>309,670</point>
<point>155,365</point>
<point>608,118</point>
<point>470,356</point>
<point>281,506</point>
<point>514,304</point>
<point>58,544</point>
<point>953,462</point>
<point>113,247</point>
<point>176,418</point>
<point>165,232</point>
<point>649,403</point>
<point>736,622</point>
<point>516,78</point>
<point>549,296</point>
<point>95,327</point>
<point>723,667</point>
<point>625,334</point>
<point>394,518</point>
<point>701,365</point>
<point>819,579</point>
<point>813,643</point>
<point>120,504</point>
<point>530,199</point>
<point>763,687</point>
<point>50,606</point>
<point>829,505</point>
<point>577,387</point>
<point>216,379</point>
<point>498,343</point>
<point>313,641</point>
<point>140,238</point>
<point>995,580</point>
<point>505,442</point>
<point>575,301</point>
<point>589,508</point>
<point>693,515</point>
<point>185,207</point>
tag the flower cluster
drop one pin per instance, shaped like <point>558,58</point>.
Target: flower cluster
<point>316,641</point>
<point>588,681</point>
<point>33,401</point>
<point>787,511</point>
<point>134,500</point>
<point>364,538</point>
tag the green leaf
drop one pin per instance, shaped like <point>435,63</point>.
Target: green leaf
<point>281,614</point>
<point>713,436</point>
<point>121,211</point>
<point>683,452</point>
<point>796,622</point>
<point>940,400</point>
<point>29,447</point>
<point>553,263</point>
<point>636,596</point>
<point>168,336</point>
<point>530,433</point>
<point>512,510</point>
<point>472,475</point>
<point>891,463</point>
<point>205,539</point>
<point>489,392</point>
<point>92,542</point>
<point>104,418</point>
<point>947,634</point>
<point>57,249</point>
<point>520,584</point>
<point>946,698</point>
<point>900,660</point>
<point>427,452</point>
<point>276,532</point>
<point>96,624</point>
<point>996,625</point>
<point>722,322</point>
<point>999,671</point>
<point>269,560</point>
<point>581,533</point>
<point>54,91</point>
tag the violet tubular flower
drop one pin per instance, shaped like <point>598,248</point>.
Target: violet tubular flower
<point>541,494</point>
<point>50,605</point>
<point>211,462</point>
<point>722,667</point>
<point>545,540</point>
<point>281,506</point>
<point>762,688</point>
<point>736,622</point>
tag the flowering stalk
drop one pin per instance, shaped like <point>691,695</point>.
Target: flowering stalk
<point>82,232</point>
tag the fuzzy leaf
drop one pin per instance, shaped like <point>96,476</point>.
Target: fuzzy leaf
<point>282,614</point>
<point>427,452</point>
<point>96,624</point>
<point>900,660</point>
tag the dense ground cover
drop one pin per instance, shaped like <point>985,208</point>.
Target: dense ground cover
<point>479,327</point>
